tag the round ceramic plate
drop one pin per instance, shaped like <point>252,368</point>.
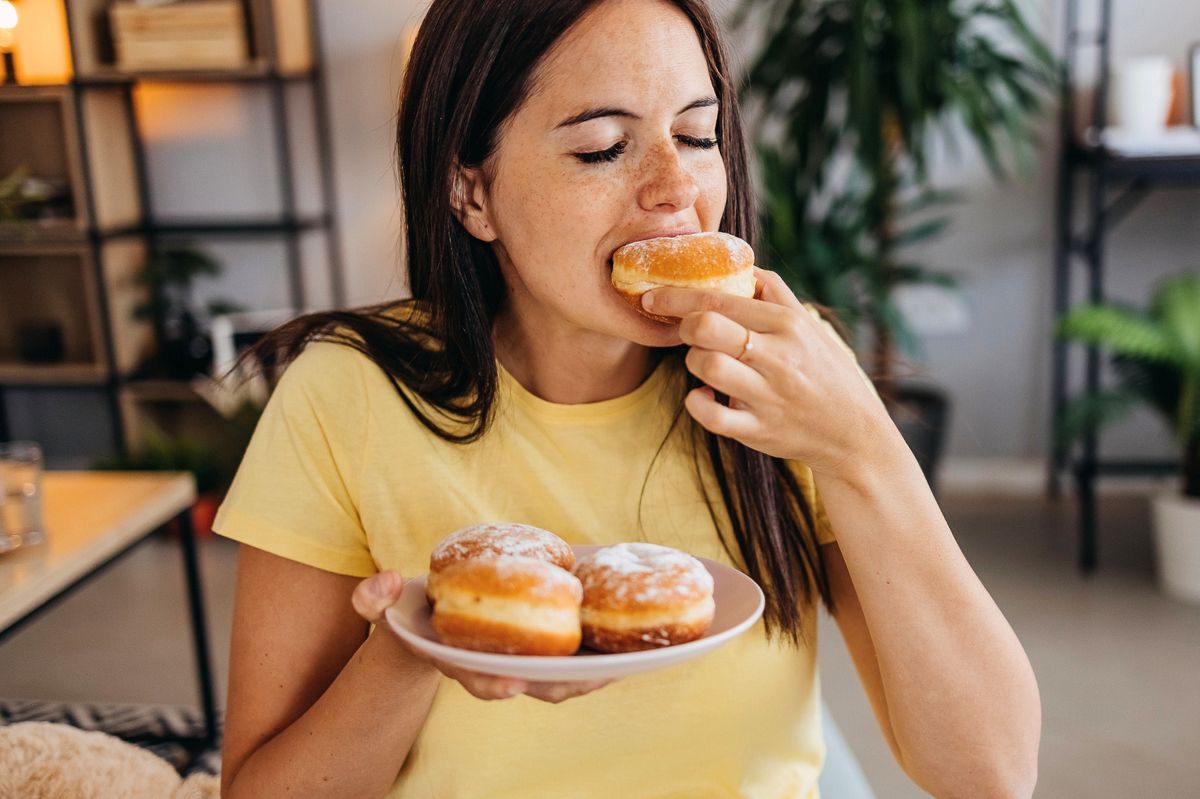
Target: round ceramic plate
<point>739,604</point>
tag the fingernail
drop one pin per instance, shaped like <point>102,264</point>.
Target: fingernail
<point>648,300</point>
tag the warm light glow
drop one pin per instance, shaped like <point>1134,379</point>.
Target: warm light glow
<point>8,23</point>
<point>8,15</point>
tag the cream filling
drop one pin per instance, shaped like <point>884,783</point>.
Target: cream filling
<point>618,620</point>
<point>514,612</point>
<point>740,284</point>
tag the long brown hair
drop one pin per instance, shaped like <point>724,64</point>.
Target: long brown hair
<point>468,72</point>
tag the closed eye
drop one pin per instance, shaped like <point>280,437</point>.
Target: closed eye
<point>602,156</point>
<point>700,144</point>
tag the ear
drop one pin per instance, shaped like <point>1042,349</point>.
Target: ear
<point>468,198</point>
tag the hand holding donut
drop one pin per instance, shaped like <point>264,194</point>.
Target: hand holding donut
<point>795,388</point>
<point>377,593</point>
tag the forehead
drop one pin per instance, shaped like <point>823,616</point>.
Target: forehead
<point>623,51</point>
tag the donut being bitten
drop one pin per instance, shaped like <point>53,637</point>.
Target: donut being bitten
<point>713,261</point>
<point>494,539</point>
<point>506,604</point>
<point>643,596</point>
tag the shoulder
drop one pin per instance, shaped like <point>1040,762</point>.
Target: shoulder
<point>326,372</point>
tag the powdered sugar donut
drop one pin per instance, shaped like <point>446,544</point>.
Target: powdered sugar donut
<point>495,539</point>
<point>506,604</point>
<point>643,596</point>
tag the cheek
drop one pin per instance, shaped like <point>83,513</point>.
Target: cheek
<point>713,188</point>
<point>546,217</point>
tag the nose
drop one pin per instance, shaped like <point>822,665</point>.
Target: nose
<point>667,186</point>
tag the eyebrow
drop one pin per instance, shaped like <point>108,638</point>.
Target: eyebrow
<point>596,113</point>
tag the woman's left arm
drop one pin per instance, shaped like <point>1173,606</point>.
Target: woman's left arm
<point>957,691</point>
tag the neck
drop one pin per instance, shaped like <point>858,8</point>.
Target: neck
<point>567,365</point>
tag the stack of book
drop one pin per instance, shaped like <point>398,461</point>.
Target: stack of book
<point>194,34</point>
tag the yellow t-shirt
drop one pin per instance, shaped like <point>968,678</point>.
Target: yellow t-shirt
<point>341,475</point>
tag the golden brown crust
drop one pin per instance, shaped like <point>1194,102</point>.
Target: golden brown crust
<point>508,578</point>
<point>635,640</point>
<point>483,635</point>
<point>693,257</point>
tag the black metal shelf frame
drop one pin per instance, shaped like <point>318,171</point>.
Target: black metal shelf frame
<point>289,224</point>
<point>1115,186</point>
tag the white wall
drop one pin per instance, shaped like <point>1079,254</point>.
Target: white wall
<point>1000,245</point>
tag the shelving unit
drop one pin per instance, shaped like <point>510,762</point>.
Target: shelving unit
<point>1115,185</point>
<point>77,273</point>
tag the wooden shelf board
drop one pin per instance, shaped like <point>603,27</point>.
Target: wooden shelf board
<point>52,374</point>
<point>60,231</point>
<point>257,70</point>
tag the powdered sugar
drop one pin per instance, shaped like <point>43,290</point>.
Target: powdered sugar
<point>499,538</point>
<point>646,573</point>
<point>550,577</point>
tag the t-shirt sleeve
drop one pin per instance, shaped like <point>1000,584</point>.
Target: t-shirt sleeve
<point>295,493</point>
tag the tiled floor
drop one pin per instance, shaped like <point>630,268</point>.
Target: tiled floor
<point>1117,663</point>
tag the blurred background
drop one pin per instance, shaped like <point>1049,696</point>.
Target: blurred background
<point>998,197</point>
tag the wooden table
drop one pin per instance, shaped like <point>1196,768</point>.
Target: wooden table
<point>91,520</point>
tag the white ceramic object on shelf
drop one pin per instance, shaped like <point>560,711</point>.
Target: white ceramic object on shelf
<point>1142,89</point>
<point>1177,544</point>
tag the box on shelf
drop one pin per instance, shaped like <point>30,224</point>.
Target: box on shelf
<point>197,34</point>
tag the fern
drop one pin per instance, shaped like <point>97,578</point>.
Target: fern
<point>1156,357</point>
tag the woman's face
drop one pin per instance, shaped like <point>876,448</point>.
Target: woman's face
<point>616,142</point>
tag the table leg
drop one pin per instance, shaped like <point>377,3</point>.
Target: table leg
<point>191,567</point>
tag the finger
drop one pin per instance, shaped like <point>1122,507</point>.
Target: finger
<point>772,288</point>
<point>555,692</point>
<point>718,419</point>
<point>726,374</point>
<point>763,317</point>
<point>487,686</point>
<point>376,594</point>
<point>712,331</point>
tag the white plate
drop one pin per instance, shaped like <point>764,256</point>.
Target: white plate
<point>739,603</point>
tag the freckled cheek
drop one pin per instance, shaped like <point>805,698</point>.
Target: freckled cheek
<point>713,188</point>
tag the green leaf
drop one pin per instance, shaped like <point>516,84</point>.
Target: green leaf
<point>1122,331</point>
<point>1177,302</point>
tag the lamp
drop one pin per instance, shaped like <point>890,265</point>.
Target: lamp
<point>8,26</point>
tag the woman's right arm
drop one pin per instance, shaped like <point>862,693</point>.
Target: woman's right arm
<point>316,706</point>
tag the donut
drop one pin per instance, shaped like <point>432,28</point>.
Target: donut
<point>495,539</point>
<point>643,596</point>
<point>507,604</point>
<point>713,261</point>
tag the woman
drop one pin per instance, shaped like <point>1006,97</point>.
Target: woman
<point>536,137</point>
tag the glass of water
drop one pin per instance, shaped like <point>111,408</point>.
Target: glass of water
<point>20,495</point>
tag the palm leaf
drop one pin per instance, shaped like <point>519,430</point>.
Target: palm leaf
<point>1123,331</point>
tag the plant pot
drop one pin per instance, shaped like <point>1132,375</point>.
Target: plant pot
<point>1177,544</point>
<point>922,413</point>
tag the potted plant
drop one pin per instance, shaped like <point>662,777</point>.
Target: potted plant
<point>845,95</point>
<point>183,348</point>
<point>1156,357</point>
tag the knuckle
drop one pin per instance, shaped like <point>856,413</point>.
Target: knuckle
<point>708,324</point>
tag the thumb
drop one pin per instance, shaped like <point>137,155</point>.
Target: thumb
<point>376,594</point>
